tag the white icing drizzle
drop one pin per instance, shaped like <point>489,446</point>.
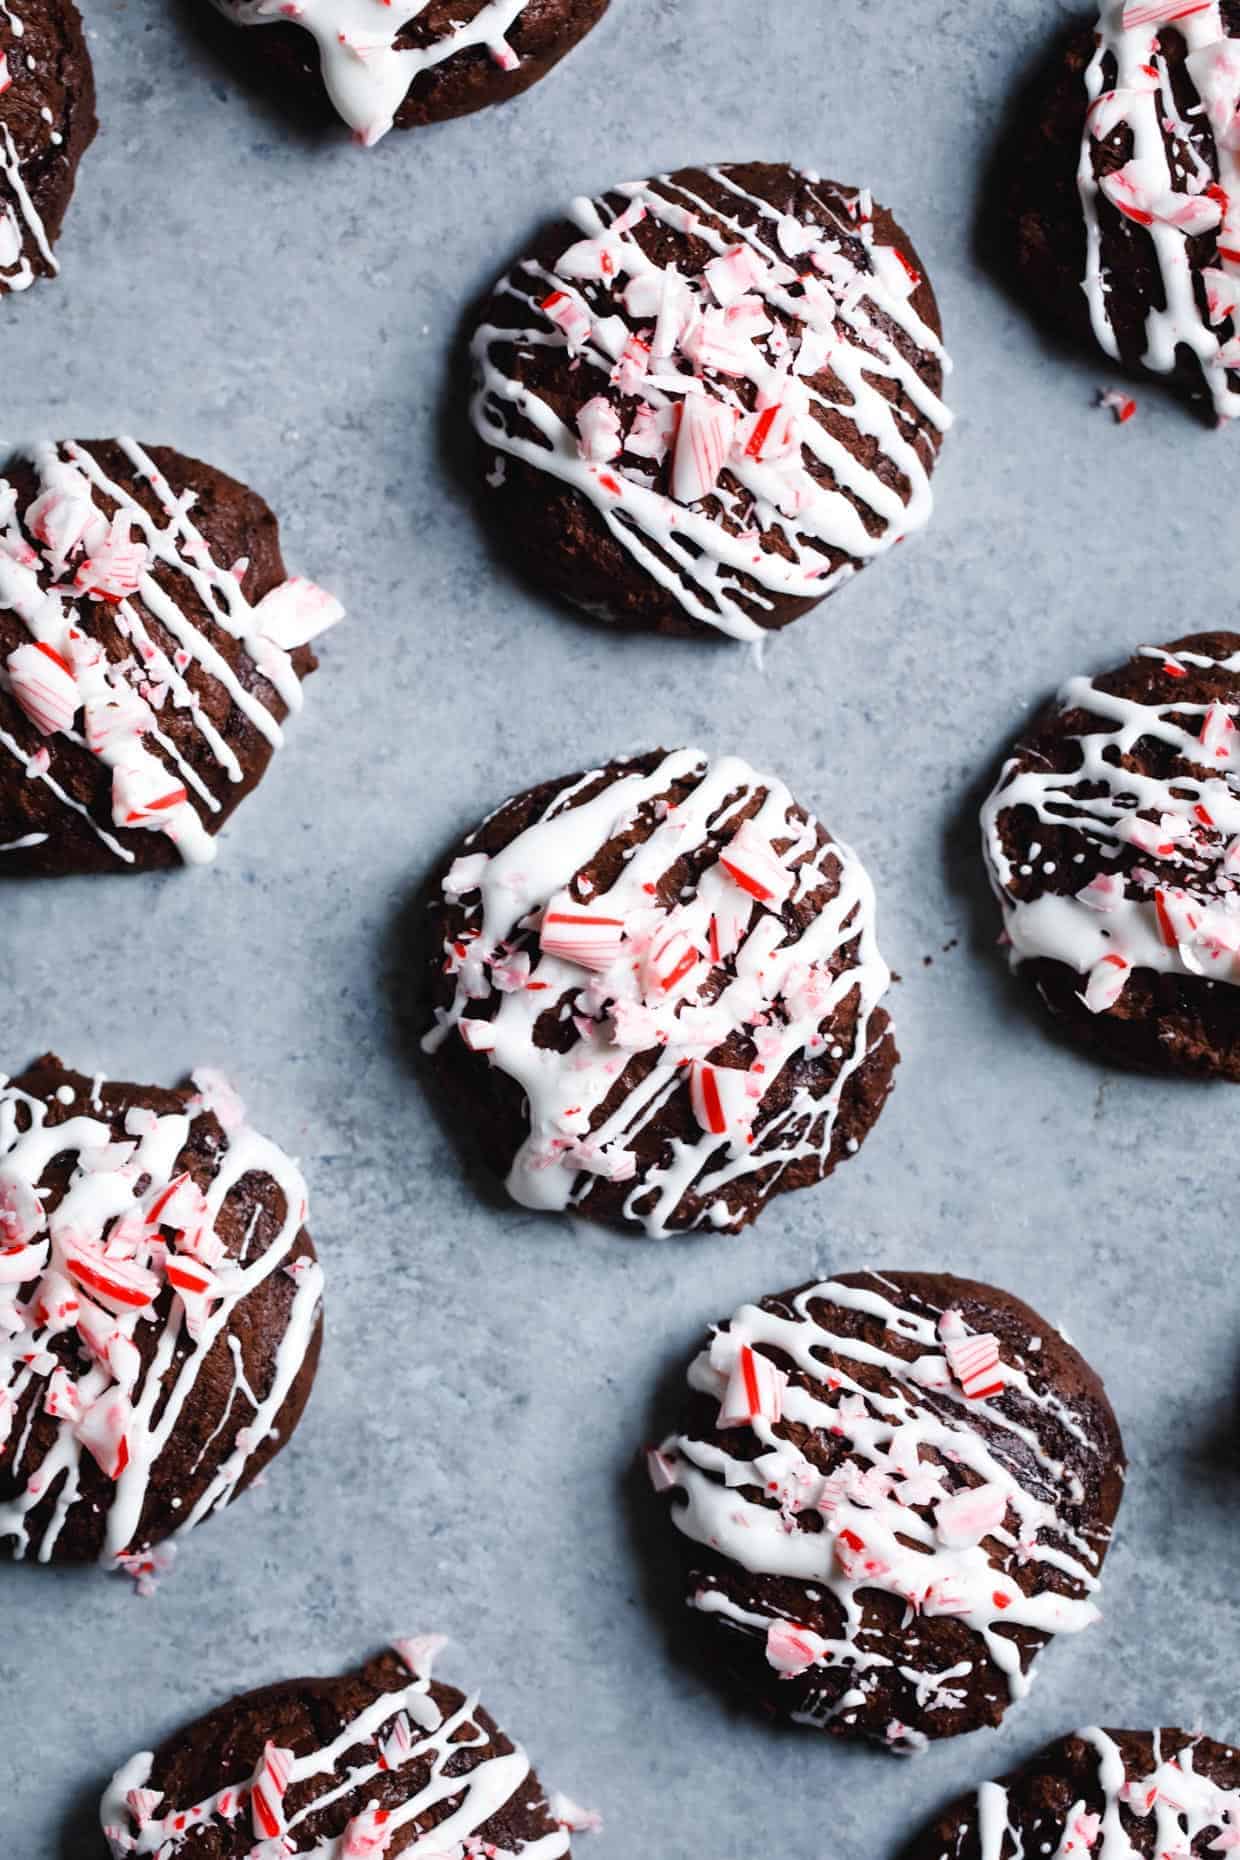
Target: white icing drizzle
<point>98,1266</point>
<point>1184,1804</point>
<point>781,301</point>
<point>1168,898</point>
<point>1171,204</point>
<point>650,993</point>
<point>367,74</point>
<point>872,1506</point>
<point>434,1737</point>
<point>65,675</point>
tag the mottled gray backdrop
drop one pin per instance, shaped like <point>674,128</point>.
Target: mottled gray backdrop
<point>290,307</point>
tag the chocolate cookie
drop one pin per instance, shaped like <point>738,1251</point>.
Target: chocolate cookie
<point>706,400</point>
<point>656,993</point>
<point>1119,1795</point>
<point>420,62</point>
<point>1127,199</point>
<point>159,1310</point>
<point>47,122</point>
<point>368,1764</point>
<point>895,1488</point>
<point>1113,843</point>
<point>151,646</point>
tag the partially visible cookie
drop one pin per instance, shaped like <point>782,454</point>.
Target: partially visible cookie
<point>892,1489</point>
<point>47,122</point>
<point>416,61</point>
<point>1115,1795</point>
<point>1112,838</point>
<point>383,1761</point>
<point>1127,200</point>
<point>706,400</point>
<point>159,1310</point>
<point>151,647</point>
<point>656,993</point>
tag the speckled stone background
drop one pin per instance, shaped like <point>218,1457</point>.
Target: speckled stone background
<point>290,307</point>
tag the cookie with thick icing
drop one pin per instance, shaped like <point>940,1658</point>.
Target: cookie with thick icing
<point>151,648</point>
<point>159,1310</point>
<point>415,61</point>
<point>656,993</point>
<point>891,1489</point>
<point>1126,199</point>
<point>706,400</point>
<point>383,1761</point>
<point>1099,1795</point>
<point>1112,838</point>
<point>47,122</point>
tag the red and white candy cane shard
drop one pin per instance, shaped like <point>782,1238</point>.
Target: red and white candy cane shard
<point>496,1787</point>
<point>120,1283</point>
<point>671,968</point>
<point>397,1747</point>
<point>590,938</point>
<point>715,368</point>
<point>1169,198</point>
<point>755,1390</point>
<point>104,1431</point>
<point>753,864</point>
<point>723,1100</point>
<point>139,562</point>
<point>569,1814</point>
<point>860,1356</point>
<point>368,1835</point>
<point>972,1358</point>
<point>792,1649</point>
<point>268,1789</point>
<point>420,1651</point>
<point>44,685</point>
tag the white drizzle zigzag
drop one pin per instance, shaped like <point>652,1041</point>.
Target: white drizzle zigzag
<point>698,557</point>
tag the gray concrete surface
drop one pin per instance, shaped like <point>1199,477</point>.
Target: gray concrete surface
<point>288,307</point>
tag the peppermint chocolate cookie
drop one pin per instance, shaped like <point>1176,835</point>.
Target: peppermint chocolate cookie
<point>1113,843</point>
<point>656,993</point>
<point>159,1310</point>
<point>416,62</point>
<point>384,1761</point>
<point>1127,202</point>
<point>151,646</point>
<point>706,400</point>
<point>1112,1795</point>
<point>47,122</point>
<point>893,1489</point>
